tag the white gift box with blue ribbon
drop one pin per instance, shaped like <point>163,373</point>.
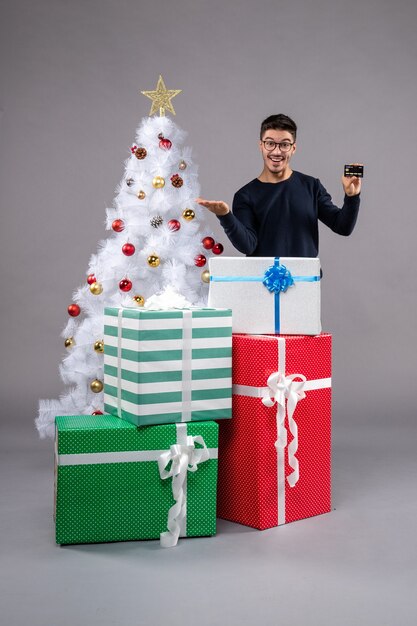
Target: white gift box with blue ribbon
<point>279,295</point>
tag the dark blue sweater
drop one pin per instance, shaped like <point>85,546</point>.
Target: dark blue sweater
<point>281,219</point>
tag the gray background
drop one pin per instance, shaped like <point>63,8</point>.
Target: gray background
<point>71,73</point>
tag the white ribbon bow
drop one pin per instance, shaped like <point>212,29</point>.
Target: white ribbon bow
<point>183,459</point>
<point>286,392</point>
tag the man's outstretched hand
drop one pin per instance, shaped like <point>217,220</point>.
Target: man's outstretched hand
<point>218,207</point>
<point>352,184</point>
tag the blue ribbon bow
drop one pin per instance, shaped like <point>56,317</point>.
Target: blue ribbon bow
<point>277,278</point>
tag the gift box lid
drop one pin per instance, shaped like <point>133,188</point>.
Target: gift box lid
<point>151,314</point>
<point>241,266</point>
<point>304,354</point>
<point>78,434</point>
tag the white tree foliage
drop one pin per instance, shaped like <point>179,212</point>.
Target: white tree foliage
<point>176,275</point>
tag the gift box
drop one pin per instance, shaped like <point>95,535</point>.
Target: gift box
<point>268,295</point>
<point>275,464</point>
<point>116,482</point>
<point>168,366</point>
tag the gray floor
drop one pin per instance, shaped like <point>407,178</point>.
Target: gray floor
<point>354,566</point>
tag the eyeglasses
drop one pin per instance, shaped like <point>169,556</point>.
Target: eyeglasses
<point>284,146</point>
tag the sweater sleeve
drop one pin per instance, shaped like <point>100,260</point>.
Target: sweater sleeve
<point>341,221</point>
<point>240,225</point>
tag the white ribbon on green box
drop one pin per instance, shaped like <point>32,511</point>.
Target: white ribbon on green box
<point>286,391</point>
<point>168,366</point>
<point>182,457</point>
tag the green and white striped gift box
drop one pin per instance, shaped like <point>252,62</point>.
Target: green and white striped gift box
<point>168,366</point>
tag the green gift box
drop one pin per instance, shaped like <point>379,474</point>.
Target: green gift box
<point>117,482</point>
<point>168,366</point>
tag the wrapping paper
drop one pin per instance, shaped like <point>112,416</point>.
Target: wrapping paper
<point>262,481</point>
<point>236,283</point>
<point>168,366</point>
<point>112,481</point>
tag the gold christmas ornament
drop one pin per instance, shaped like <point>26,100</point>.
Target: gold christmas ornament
<point>205,276</point>
<point>158,182</point>
<point>99,346</point>
<point>69,342</point>
<point>140,300</point>
<point>183,165</point>
<point>96,385</point>
<point>188,214</point>
<point>141,195</point>
<point>153,260</point>
<point>96,289</point>
<point>161,98</point>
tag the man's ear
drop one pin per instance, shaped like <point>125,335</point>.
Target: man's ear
<point>294,148</point>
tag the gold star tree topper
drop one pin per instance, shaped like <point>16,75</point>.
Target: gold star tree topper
<point>161,98</point>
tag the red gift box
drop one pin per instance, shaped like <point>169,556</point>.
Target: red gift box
<point>275,453</point>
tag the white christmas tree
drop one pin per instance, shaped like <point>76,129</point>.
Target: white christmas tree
<point>158,244</point>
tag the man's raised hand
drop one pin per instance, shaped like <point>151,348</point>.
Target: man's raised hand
<point>352,184</point>
<point>218,207</point>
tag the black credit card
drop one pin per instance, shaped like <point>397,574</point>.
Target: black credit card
<point>354,170</point>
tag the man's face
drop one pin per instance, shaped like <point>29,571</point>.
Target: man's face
<point>277,160</point>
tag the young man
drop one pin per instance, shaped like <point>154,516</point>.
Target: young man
<point>277,213</point>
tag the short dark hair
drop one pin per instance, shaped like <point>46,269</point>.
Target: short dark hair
<point>279,122</point>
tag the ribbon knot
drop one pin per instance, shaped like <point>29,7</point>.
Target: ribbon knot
<point>286,391</point>
<point>277,278</point>
<point>281,388</point>
<point>175,463</point>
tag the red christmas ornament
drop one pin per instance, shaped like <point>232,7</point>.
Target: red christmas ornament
<point>125,284</point>
<point>96,413</point>
<point>133,149</point>
<point>128,249</point>
<point>174,225</point>
<point>91,279</point>
<point>200,260</point>
<point>165,144</point>
<point>118,226</point>
<point>74,310</point>
<point>208,243</point>
<point>217,248</point>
